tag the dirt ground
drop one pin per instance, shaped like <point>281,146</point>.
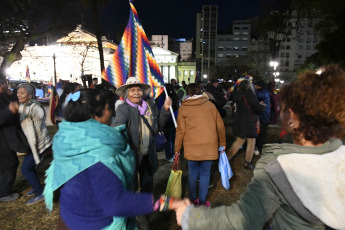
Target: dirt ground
<point>17,216</point>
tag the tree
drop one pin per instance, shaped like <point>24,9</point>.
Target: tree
<point>235,67</point>
<point>94,4</point>
<point>330,24</point>
<point>22,21</point>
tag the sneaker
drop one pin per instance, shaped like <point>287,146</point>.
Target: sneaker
<point>248,165</point>
<point>196,202</point>
<point>207,204</point>
<point>256,152</point>
<point>30,193</point>
<point>35,200</point>
<point>9,198</point>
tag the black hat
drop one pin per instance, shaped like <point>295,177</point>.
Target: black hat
<point>261,83</point>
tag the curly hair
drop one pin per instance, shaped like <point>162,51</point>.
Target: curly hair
<point>319,102</point>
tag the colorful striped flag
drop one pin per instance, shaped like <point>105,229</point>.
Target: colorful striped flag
<point>49,88</point>
<point>54,100</point>
<point>134,57</point>
<point>27,75</point>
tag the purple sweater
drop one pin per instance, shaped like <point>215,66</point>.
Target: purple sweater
<point>90,199</point>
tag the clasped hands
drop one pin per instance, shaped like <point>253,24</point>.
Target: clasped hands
<point>179,206</point>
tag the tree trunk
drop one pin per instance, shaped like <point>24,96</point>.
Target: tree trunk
<point>95,17</point>
<point>12,56</point>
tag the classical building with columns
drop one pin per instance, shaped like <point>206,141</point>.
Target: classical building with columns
<point>77,54</point>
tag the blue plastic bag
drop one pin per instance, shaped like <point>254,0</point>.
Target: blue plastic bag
<point>224,168</point>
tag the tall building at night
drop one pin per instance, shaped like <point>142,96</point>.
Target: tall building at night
<point>160,41</point>
<point>235,44</point>
<point>206,40</point>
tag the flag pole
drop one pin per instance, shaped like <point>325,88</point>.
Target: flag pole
<point>171,110</point>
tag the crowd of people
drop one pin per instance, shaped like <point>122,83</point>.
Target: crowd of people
<point>105,157</point>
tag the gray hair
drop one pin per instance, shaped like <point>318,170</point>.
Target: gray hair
<point>30,88</point>
<point>125,95</point>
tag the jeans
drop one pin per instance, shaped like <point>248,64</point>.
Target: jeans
<point>29,172</point>
<point>170,135</point>
<point>201,170</point>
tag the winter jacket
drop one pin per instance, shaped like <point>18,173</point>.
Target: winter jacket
<point>218,94</point>
<point>245,119</point>
<point>200,129</point>
<point>11,135</point>
<point>32,120</point>
<point>126,114</point>
<point>264,95</point>
<point>293,187</point>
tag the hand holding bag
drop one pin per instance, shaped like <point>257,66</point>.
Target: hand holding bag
<point>224,168</point>
<point>160,139</point>
<point>174,187</point>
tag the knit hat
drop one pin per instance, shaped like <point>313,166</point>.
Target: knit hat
<point>133,81</point>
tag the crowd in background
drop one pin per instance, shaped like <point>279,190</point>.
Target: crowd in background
<point>106,148</point>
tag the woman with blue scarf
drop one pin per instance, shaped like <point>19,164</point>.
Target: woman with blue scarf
<point>94,168</point>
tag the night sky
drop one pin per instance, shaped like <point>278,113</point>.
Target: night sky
<point>176,18</point>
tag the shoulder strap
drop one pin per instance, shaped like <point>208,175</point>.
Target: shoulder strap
<point>148,124</point>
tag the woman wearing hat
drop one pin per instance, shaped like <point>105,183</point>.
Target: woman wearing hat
<point>141,139</point>
<point>32,120</point>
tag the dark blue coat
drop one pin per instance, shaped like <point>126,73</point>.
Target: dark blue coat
<point>264,95</point>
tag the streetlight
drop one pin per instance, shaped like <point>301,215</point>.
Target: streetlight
<point>274,64</point>
<point>275,41</point>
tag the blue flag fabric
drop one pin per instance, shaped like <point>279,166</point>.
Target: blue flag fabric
<point>224,168</point>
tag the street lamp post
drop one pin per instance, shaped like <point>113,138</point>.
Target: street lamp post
<point>275,41</point>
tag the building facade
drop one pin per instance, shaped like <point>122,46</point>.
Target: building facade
<point>161,41</point>
<point>297,46</point>
<point>183,47</point>
<point>207,36</point>
<point>73,56</point>
<point>235,44</point>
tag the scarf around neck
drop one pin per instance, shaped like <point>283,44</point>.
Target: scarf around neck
<point>142,108</point>
<point>79,145</point>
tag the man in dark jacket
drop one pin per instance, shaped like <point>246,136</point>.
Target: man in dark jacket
<point>218,95</point>
<point>12,140</point>
<point>263,95</point>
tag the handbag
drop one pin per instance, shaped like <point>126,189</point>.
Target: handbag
<point>224,169</point>
<point>174,187</point>
<point>160,139</point>
<point>257,122</point>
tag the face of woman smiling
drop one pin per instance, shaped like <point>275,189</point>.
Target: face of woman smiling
<point>135,94</point>
<point>23,95</point>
